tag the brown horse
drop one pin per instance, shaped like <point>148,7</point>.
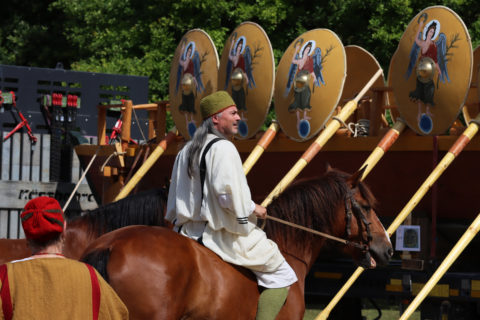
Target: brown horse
<point>160,274</point>
<point>145,208</point>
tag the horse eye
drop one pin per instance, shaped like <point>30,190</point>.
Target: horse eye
<point>367,208</point>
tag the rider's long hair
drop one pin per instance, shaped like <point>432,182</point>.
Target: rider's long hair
<point>198,141</point>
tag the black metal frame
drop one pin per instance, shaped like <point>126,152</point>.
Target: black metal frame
<point>30,84</point>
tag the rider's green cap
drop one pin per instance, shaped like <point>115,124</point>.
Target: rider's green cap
<point>215,103</point>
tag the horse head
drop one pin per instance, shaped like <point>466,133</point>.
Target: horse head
<point>369,243</point>
<point>336,204</point>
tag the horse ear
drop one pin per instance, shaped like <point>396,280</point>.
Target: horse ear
<point>355,178</point>
<point>328,167</point>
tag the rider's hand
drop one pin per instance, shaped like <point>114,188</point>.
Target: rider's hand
<point>260,212</point>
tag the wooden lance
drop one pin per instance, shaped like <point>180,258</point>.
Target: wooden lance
<point>387,141</point>
<point>262,144</point>
<point>321,140</point>
<point>454,151</point>
<point>449,260</point>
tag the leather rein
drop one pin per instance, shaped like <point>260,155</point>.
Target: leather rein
<point>352,207</point>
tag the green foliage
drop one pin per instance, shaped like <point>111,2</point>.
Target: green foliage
<point>31,35</point>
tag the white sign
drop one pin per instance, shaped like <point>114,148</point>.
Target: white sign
<point>15,194</point>
<point>408,238</point>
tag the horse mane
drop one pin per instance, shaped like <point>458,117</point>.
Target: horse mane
<point>143,208</point>
<point>311,203</point>
<point>99,260</point>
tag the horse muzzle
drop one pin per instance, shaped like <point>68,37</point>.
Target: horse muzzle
<point>367,261</point>
<point>377,256</point>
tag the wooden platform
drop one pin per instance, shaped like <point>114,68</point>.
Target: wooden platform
<point>394,180</point>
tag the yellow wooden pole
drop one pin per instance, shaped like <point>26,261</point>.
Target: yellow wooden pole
<point>262,144</point>
<point>388,139</point>
<point>454,151</point>
<point>449,260</point>
<point>159,150</point>
<point>321,140</point>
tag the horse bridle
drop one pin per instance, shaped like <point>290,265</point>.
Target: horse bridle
<point>358,211</point>
<point>352,207</point>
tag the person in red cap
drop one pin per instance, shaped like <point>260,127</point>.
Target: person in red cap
<point>209,201</point>
<point>47,285</point>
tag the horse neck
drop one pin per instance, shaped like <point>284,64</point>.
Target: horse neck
<point>77,238</point>
<point>13,249</point>
<point>301,258</point>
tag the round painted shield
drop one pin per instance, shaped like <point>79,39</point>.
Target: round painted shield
<point>247,71</point>
<point>431,70</point>
<point>361,67</point>
<point>309,83</point>
<point>193,75</point>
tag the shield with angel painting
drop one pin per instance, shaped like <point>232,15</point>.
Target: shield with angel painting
<point>431,70</point>
<point>193,75</point>
<point>247,72</point>
<point>309,82</point>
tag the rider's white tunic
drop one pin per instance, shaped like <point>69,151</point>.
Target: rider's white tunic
<point>224,216</point>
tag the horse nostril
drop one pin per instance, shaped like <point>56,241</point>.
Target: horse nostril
<point>390,252</point>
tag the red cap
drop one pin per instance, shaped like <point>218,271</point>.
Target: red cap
<point>42,219</point>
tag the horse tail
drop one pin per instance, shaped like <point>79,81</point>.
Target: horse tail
<point>99,260</point>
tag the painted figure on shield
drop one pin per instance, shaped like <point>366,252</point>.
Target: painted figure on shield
<point>306,65</point>
<point>433,57</point>
<point>240,73</point>
<point>189,76</point>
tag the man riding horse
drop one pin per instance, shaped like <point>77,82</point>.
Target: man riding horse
<point>210,201</point>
